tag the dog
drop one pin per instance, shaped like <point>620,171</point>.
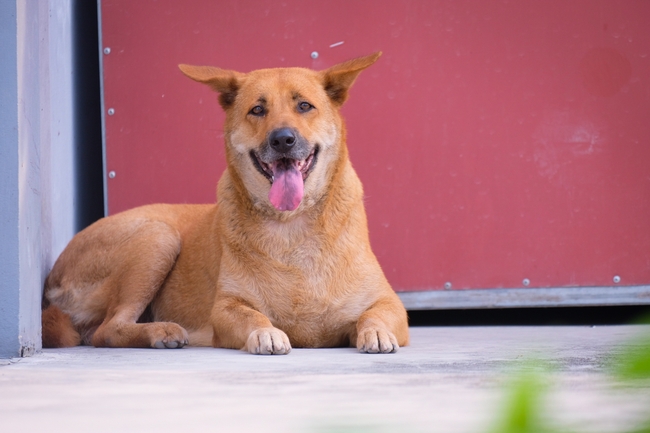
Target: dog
<point>282,259</point>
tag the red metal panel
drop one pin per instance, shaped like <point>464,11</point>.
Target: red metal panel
<point>496,140</point>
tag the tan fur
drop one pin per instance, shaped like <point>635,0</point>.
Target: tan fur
<point>239,274</point>
<point>58,330</point>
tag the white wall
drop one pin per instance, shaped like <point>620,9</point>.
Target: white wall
<point>37,186</point>
<point>9,264</point>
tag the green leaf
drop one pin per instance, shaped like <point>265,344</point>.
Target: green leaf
<point>522,412</point>
<point>633,361</point>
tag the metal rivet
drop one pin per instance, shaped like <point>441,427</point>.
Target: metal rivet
<point>111,111</point>
<point>616,279</point>
<point>314,55</point>
<point>447,285</point>
<point>111,174</point>
<point>107,50</point>
<point>526,281</point>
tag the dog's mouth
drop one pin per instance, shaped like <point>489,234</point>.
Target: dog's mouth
<point>287,177</point>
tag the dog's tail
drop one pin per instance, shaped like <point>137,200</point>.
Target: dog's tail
<point>58,330</point>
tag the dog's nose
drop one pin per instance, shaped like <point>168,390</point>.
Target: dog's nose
<point>282,139</point>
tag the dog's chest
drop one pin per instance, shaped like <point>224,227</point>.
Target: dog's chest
<point>307,284</point>
<point>295,244</point>
<point>316,307</point>
<point>310,322</point>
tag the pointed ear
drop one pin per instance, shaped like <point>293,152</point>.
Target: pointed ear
<point>225,82</point>
<point>338,79</point>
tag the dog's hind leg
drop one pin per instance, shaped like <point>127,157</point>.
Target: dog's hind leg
<point>57,329</point>
<point>133,283</point>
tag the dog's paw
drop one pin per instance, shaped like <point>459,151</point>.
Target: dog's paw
<point>268,341</point>
<point>168,335</point>
<point>376,340</point>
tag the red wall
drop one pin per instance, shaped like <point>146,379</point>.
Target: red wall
<point>496,140</point>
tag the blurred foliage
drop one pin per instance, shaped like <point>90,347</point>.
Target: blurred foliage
<point>523,411</point>
<point>523,408</point>
<point>632,363</point>
<point>645,428</point>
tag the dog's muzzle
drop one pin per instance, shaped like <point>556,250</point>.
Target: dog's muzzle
<point>285,159</point>
<point>282,140</point>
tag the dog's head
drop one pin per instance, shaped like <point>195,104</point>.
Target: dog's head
<point>283,129</point>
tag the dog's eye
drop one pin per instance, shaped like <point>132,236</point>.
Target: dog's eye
<point>304,107</point>
<point>257,110</point>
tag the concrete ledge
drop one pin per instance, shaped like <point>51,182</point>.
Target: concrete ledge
<point>449,380</point>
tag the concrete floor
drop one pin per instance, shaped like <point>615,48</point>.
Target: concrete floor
<point>448,380</point>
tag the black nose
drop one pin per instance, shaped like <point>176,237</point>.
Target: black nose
<point>282,139</point>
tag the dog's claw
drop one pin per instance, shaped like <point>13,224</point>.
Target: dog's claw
<point>268,341</point>
<point>169,344</point>
<point>373,340</point>
<point>167,335</point>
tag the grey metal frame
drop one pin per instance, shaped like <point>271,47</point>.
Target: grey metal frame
<point>526,297</point>
<point>101,88</point>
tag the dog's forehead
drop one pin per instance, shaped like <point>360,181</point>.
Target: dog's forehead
<point>282,82</point>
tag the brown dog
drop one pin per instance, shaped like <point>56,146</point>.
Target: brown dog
<point>283,259</point>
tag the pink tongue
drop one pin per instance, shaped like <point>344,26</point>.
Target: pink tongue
<point>286,189</point>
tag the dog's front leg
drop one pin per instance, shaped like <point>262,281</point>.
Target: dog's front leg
<point>382,328</point>
<point>237,325</point>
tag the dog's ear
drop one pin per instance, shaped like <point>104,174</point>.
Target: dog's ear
<point>225,82</point>
<point>338,79</point>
